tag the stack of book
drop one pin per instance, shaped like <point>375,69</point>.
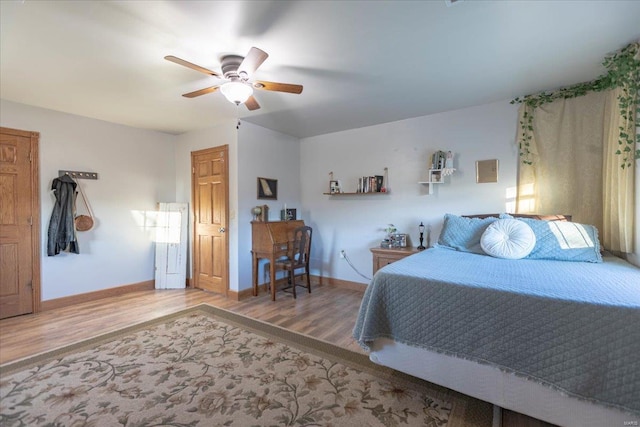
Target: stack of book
<point>370,184</point>
<point>438,160</point>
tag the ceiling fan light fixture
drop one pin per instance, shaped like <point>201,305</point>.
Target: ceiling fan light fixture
<point>236,92</point>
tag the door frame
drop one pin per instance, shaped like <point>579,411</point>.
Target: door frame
<point>194,257</point>
<point>34,161</point>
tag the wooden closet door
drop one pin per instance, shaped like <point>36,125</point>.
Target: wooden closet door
<point>210,170</point>
<point>19,223</point>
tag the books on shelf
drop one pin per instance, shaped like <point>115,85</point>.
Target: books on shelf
<point>438,160</point>
<point>441,160</point>
<point>370,184</point>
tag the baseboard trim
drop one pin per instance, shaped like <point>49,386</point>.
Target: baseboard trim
<point>150,285</point>
<point>245,293</point>
<point>347,284</point>
<point>92,296</point>
<point>315,281</point>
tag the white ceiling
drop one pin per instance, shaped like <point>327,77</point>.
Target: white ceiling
<point>361,62</point>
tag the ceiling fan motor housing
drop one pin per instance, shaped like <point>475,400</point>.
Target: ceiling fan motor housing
<point>230,65</point>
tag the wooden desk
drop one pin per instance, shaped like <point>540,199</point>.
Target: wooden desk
<point>270,240</point>
<point>384,256</point>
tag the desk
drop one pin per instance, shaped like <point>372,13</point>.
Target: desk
<point>270,240</point>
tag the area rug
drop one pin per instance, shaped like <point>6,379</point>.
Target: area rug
<point>209,367</point>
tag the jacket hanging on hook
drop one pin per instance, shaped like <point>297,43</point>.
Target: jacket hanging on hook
<point>62,233</point>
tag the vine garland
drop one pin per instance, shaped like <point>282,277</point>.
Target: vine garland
<point>623,71</point>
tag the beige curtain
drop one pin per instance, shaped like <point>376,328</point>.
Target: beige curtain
<point>574,169</point>
<point>618,184</point>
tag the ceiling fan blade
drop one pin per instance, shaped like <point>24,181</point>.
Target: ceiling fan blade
<point>251,103</point>
<point>188,64</point>
<point>277,87</point>
<point>201,92</point>
<point>252,61</point>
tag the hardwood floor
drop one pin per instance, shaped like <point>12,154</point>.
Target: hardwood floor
<point>328,313</point>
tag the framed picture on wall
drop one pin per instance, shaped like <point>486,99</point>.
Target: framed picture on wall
<point>486,171</point>
<point>267,188</point>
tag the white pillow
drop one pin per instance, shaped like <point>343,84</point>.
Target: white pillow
<point>508,238</point>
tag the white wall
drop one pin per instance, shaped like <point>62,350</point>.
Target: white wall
<point>268,154</point>
<point>355,223</point>
<point>136,170</point>
<point>139,168</point>
<point>253,152</point>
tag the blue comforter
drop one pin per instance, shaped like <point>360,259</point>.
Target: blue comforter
<point>573,326</point>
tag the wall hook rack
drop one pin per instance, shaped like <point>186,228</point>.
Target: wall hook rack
<point>78,174</point>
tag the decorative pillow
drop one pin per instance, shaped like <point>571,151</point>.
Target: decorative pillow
<point>564,241</point>
<point>463,234</point>
<point>508,238</point>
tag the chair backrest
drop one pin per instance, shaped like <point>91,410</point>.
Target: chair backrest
<point>301,245</point>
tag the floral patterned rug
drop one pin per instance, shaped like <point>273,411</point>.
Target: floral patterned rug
<point>210,367</point>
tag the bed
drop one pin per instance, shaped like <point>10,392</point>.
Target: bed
<point>558,340</point>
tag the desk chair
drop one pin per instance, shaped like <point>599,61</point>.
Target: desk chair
<point>297,259</point>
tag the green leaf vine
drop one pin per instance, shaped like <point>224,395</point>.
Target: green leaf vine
<point>623,71</point>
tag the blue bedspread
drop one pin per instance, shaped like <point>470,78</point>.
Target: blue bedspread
<point>573,326</point>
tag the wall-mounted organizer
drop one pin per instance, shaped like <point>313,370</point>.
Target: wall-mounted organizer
<point>78,174</point>
<point>82,222</point>
<point>366,185</point>
<point>441,166</point>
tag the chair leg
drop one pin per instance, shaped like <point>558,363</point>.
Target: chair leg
<point>266,282</point>
<point>292,279</point>
<point>308,280</point>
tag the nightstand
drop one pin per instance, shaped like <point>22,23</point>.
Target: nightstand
<point>384,256</point>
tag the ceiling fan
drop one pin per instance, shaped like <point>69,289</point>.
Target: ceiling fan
<point>237,70</point>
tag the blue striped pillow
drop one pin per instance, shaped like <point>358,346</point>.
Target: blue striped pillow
<point>564,241</point>
<point>463,234</point>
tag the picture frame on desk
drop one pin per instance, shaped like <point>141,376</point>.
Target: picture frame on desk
<point>288,214</point>
<point>267,188</point>
<point>334,187</point>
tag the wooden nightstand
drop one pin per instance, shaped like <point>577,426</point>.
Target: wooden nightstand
<point>384,256</point>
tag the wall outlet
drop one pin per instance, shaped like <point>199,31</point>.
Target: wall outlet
<point>342,253</point>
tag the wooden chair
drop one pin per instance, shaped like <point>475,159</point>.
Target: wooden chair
<point>297,259</point>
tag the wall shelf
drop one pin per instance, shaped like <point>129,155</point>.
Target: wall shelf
<point>436,176</point>
<point>372,193</point>
<point>374,184</point>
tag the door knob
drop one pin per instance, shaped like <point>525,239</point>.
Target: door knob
<point>222,230</point>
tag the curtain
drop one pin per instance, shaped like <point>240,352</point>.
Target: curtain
<point>571,166</point>
<point>618,184</point>
<point>566,175</point>
<point>578,148</point>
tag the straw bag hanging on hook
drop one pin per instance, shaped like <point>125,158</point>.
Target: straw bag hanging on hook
<point>84,222</point>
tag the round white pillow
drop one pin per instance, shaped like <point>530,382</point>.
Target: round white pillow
<point>508,238</point>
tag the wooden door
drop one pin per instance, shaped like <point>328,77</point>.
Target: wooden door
<point>19,223</point>
<point>210,190</point>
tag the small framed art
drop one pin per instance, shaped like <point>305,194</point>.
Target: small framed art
<point>486,171</point>
<point>267,188</point>
<point>288,214</point>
